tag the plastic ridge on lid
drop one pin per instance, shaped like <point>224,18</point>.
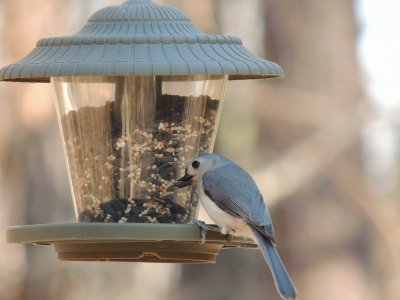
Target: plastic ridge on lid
<point>139,37</point>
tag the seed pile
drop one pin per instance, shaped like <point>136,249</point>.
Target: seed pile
<point>128,174</point>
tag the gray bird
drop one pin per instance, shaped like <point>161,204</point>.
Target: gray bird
<point>233,201</point>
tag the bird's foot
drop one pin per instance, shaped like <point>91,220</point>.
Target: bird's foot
<point>204,228</point>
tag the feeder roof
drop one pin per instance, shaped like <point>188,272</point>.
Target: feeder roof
<point>139,37</point>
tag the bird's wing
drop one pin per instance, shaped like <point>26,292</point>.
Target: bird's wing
<point>234,191</point>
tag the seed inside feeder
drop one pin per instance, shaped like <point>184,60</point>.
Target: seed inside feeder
<point>124,156</point>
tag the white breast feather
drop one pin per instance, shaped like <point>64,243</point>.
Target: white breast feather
<point>228,223</point>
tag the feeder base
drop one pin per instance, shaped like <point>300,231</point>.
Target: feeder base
<point>170,243</point>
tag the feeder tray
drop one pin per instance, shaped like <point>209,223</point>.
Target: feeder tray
<point>169,243</point>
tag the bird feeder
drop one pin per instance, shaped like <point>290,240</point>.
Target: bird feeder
<point>139,92</point>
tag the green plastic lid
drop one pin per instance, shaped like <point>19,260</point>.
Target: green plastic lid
<point>139,37</point>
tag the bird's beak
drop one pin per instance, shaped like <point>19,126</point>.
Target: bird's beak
<point>184,181</point>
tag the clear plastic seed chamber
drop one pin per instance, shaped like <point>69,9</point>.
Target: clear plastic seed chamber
<point>128,139</point>
<point>139,93</point>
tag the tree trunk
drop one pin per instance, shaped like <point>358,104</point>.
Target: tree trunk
<point>327,236</point>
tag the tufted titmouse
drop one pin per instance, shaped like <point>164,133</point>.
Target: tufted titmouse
<point>232,200</point>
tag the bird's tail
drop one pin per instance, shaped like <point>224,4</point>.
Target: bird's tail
<point>282,279</point>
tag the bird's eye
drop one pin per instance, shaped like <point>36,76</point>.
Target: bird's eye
<point>195,164</point>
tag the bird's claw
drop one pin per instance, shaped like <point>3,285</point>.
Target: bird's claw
<point>204,228</point>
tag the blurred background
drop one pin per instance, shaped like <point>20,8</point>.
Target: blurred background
<point>322,143</point>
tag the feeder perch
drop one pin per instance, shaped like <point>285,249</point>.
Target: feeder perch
<point>139,93</point>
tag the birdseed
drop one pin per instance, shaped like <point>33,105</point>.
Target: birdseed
<point>122,171</point>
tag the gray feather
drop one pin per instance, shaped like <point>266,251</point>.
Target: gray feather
<point>281,277</point>
<point>234,191</point>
